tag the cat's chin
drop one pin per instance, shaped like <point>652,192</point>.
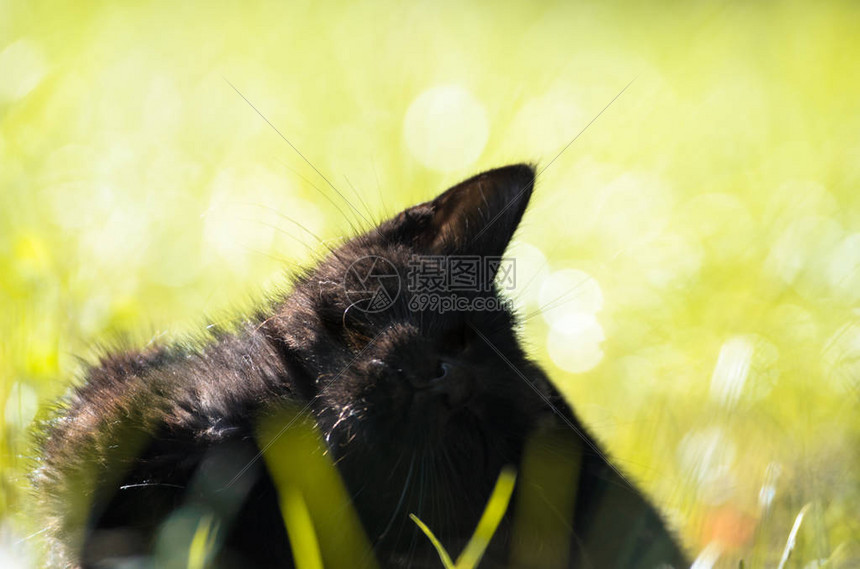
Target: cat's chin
<point>432,415</point>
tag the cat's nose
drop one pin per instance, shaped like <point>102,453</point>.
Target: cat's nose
<point>447,382</point>
<point>443,371</point>
<point>432,375</point>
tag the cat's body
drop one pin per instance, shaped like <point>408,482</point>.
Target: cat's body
<point>420,411</point>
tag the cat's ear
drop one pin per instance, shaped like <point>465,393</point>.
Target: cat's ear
<point>475,217</point>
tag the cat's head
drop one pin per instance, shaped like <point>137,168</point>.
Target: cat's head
<point>406,346</point>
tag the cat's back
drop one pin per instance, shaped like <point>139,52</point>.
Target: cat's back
<point>187,384</point>
<point>131,444</point>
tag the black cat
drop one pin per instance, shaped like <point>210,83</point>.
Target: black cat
<point>420,409</point>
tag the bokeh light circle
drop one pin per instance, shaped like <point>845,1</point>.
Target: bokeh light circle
<point>574,342</point>
<point>446,128</point>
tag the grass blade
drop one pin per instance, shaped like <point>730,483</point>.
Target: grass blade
<point>443,554</point>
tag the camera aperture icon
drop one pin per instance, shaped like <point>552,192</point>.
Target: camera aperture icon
<point>372,283</point>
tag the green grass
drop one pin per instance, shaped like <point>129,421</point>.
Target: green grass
<point>495,510</point>
<point>706,329</point>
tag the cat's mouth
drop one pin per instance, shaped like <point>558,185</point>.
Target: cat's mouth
<point>438,411</point>
<point>457,433</point>
<point>452,396</point>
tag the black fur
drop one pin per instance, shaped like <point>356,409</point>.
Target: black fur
<point>420,411</point>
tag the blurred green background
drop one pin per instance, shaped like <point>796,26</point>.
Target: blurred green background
<point>689,270</point>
